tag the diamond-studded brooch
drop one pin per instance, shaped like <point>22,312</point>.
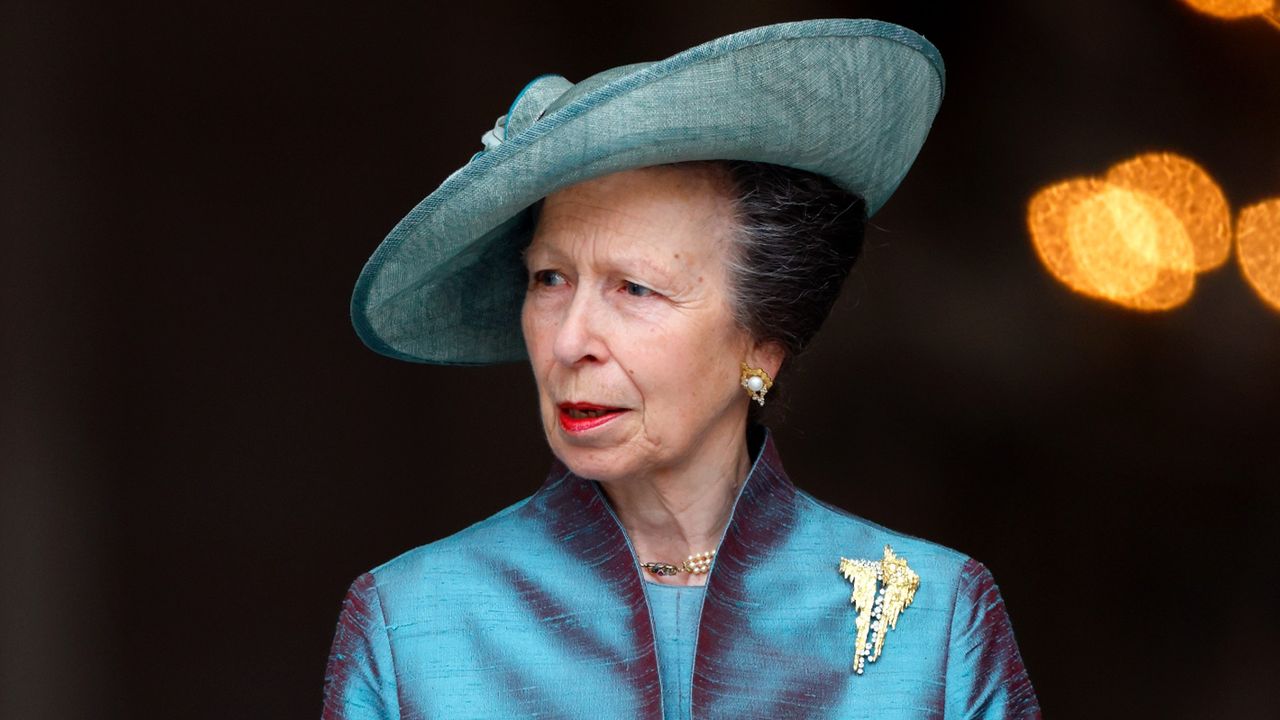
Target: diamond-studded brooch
<point>881,591</point>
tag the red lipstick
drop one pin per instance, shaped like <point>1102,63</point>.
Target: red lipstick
<point>577,417</point>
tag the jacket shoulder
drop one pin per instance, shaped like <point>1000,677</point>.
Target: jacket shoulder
<point>453,553</point>
<point>860,538</point>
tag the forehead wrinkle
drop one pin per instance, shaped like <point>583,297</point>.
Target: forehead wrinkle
<point>612,218</point>
<point>618,233</point>
<point>708,217</point>
<point>605,248</point>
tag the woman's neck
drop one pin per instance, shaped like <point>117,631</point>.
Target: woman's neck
<point>677,513</point>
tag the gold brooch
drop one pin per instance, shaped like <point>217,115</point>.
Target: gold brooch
<point>881,591</point>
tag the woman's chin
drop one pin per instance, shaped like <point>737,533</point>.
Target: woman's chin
<point>604,464</point>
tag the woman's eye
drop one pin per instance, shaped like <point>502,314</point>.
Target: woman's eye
<point>548,278</point>
<point>636,289</point>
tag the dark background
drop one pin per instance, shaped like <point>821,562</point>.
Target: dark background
<point>197,455</point>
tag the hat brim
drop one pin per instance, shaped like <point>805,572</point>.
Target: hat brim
<point>849,99</point>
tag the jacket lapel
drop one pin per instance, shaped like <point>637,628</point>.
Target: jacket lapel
<point>751,651</point>
<point>576,516</point>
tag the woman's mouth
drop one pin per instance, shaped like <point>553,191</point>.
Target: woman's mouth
<point>579,417</point>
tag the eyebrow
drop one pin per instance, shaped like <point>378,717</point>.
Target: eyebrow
<point>621,262</point>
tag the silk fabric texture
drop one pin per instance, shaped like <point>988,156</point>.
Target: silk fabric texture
<point>540,611</point>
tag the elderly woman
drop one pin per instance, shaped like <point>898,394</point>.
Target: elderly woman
<point>660,240</point>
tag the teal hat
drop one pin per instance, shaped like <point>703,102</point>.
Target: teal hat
<point>848,99</point>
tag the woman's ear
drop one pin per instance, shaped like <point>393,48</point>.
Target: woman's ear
<point>767,356</point>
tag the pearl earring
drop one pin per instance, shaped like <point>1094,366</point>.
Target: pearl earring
<point>756,382</point>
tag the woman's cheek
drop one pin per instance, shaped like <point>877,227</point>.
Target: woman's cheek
<point>651,316</point>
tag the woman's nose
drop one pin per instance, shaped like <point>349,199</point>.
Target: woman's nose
<point>578,338</point>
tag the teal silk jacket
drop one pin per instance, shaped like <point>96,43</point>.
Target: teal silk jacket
<point>540,611</point>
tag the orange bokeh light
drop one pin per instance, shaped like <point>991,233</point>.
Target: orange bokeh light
<point>1047,218</point>
<point>1190,193</point>
<point>1132,248</point>
<point>1232,9</point>
<point>1258,249</point>
<point>1137,236</point>
<point>1114,243</point>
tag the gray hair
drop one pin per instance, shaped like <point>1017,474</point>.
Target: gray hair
<point>797,239</point>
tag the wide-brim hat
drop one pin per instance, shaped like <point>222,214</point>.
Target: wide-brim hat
<point>849,99</point>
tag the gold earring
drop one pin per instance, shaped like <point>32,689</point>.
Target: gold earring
<point>756,382</point>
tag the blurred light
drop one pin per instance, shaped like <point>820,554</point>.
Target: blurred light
<point>1258,248</point>
<point>1047,218</point>
<point>1112,242</point>
<point>1190,193</point>
<point>1132,248</point>
<point>1232,9</point>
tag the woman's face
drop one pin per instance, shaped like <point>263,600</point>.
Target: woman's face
<point>628,323</point>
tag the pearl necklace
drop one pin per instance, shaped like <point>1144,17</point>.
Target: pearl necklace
<point>697,564</point>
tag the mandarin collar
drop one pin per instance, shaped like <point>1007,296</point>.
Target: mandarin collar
<point>582,521</point>
<point>763,508</point>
